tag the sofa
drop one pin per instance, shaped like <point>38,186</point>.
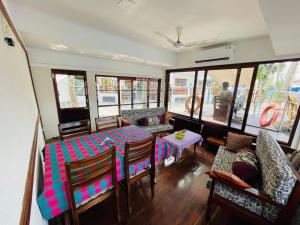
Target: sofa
<point>131,117</point>
<point>275,198</point>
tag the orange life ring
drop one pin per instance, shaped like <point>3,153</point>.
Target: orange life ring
<point>263,117</point>
<point>197,102</point>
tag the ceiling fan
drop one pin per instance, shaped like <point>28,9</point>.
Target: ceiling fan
<point>178,44</point>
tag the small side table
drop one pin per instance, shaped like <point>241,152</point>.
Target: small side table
<point>175,147</point>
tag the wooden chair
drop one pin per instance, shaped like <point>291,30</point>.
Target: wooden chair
<point>86,172</point>
<point>75,128</point>
<point>106,123</point>
<point>136,152</point>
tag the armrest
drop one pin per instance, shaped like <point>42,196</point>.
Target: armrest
<point>124,122</point>
<point>169,119</point>
<point>248,191</point>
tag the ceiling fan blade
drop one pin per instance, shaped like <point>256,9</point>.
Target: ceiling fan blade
<point>201,43</point>
<point>164,36</point>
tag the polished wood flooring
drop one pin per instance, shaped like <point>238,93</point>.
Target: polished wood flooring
<point>180,198</point>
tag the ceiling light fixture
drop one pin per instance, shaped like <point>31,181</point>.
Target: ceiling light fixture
<point>127,4</point>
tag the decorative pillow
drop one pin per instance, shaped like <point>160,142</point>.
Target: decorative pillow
<point>231,178</point>
<point>237,141</point>
<point>245,166</point>
<point>153,120</point>
<point>143,121</point>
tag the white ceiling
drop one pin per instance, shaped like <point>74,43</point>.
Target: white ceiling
<point>224,20</point>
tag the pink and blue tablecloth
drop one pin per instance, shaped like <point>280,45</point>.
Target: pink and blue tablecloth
<point>53,200</point>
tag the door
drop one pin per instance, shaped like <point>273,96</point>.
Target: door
<point>71,93</point>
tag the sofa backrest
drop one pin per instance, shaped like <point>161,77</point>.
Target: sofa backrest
<point>278,179</point>
<point>136,114</point>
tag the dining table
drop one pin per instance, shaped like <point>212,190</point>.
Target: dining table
<point>53,201</point>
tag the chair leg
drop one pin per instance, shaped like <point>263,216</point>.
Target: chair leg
<point>209,202</point>
<point>152,183</point>
<point>128,198</point>
<point>117,199</point>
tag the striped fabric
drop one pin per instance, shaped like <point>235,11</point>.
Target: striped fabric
<point>53,200</point>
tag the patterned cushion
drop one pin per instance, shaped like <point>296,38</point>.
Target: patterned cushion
<point>223,160</point>
<point>252,204</point>
<point>279,184</point>
<point>236,141</point>
<point>136,114</point>
<point>156,128</point>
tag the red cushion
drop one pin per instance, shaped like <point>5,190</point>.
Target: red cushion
<point>231,178</point>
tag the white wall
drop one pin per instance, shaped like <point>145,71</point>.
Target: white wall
<point>18,115</point>
<point>248,50</point>
<point>43,61</point>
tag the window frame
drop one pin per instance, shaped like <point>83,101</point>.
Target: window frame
<point>239,67</point>
<point>132,104</point>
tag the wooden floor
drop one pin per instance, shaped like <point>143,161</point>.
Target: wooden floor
<point>180,198</point>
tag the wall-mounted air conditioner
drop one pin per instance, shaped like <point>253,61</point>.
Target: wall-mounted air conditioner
<point>215,53</point>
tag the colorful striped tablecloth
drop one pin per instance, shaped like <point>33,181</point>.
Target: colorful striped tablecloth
<point>53,200</point>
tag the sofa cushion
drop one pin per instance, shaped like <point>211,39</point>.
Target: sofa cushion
<point>135,114</point>
<point>156,128</point>
<point>151,120</point>
<point>252,204</point>
<point>236,141</point>
<point>223,160</point>
<point>278,180</point>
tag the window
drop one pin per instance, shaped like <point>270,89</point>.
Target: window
<point>198,97</point>
<point>218,96</point>
<point>107,95</point>
<point>275,100</point>
<point>71,91</point>
<point>243,97</point>
<point>181,86</point>
<point>123,93</point>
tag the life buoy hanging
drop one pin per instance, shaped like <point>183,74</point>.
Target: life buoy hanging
<point>197,103</point>
<point>263,118</point>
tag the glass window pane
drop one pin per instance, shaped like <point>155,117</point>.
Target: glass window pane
<point>140,106</point>
<point>107,83</point>
<point>153,97</point>
<point>140,85</point>
<point>218,95</point>
<point>152,105</point>
<point>153,85</point>
<point>71,91</point>
<point>181,86</point>
<point>125,107</point>
<point>241,97</point>
<point>125,85</point>
<point>139,96</point>
<point>198,96</point>
<point>108,111</point>
<point>275,101</point>
<point>107,98</point>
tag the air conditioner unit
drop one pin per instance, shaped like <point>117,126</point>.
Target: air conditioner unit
<point>215,53</point>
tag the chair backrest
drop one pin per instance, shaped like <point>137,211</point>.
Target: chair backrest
<point>139,151</point>
<point>86,172</point>
<point>278,179</point>
<point>136,114</point>
<point>106,123</point>
<point>74,128</point>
